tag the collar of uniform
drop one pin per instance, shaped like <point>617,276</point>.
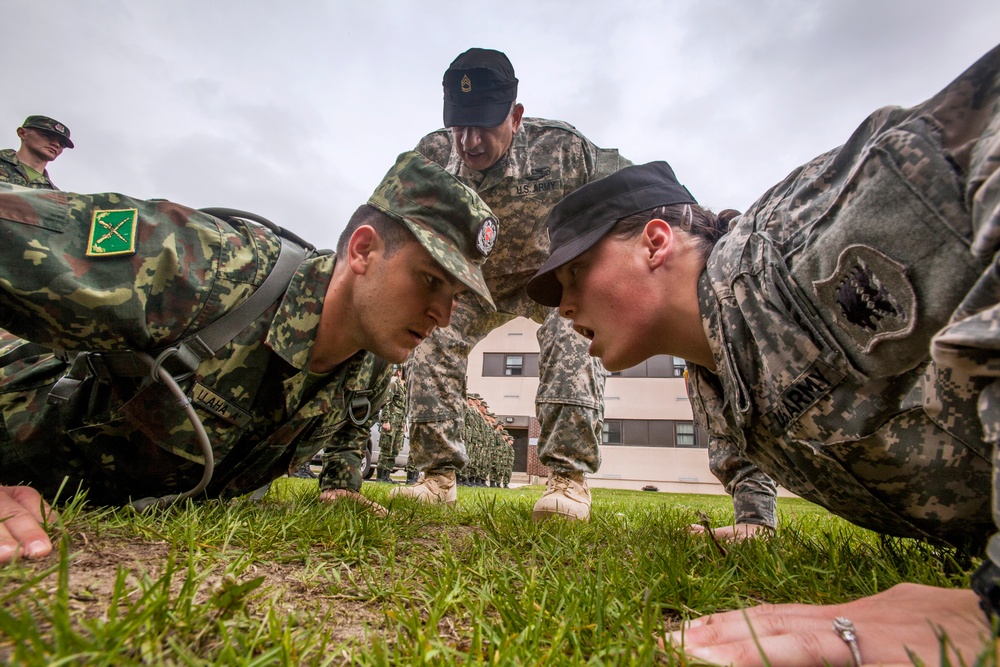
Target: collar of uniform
<point>9,155</point>
<point>293,329</point>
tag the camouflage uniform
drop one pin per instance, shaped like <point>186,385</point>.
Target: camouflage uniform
<point>473,443</point>
<point>265,413</point>
<point>263,410</point>
<point>824,305</point>
<point>547,160</point>
<point>13,172</point>
<point>393,416</point>
<point>507,461</point>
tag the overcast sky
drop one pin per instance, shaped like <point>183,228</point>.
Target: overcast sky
<point>295,110</point>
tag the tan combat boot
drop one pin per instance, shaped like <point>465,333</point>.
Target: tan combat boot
<point>435,487</point>
<point>566,495</point>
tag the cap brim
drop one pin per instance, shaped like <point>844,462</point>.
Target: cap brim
<point>544,287</point>
<point>480,115</point>
<point>451,258</point>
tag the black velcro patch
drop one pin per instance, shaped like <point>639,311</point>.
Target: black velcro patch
<point>870,296</point>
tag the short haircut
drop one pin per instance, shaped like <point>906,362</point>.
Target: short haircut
<point>393,233</point>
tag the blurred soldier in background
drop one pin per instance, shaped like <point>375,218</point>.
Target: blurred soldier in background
<point>42,141</point>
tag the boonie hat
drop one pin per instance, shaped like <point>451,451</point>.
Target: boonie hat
<point>49,125</point>
<point>479,89</point>
<point>587,214</point>
<point>450,220</point>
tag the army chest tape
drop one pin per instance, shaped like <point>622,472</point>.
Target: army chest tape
<point>181,360</point>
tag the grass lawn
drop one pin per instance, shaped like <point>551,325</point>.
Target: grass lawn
<point>287,581</point>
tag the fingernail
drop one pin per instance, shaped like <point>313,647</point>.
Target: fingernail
<point>37,548</point>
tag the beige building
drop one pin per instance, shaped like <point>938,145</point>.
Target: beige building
<point>649,436</point>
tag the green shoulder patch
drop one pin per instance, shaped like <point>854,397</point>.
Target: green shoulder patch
<point>112,233</point>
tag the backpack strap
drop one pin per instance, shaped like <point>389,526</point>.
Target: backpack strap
<point>182,359</point>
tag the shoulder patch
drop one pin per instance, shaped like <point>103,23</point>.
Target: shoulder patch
<point>870,296</point>
<point>112,233</point>
<point>487,236</point>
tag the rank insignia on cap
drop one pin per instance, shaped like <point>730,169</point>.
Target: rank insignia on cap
<point>466,84</point>
<point>112,233</point>
<point>60,127</point>
<point>487,236</point>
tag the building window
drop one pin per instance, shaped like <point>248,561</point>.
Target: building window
<point>659,366</point>
<point>513,364</point>
<point>499,364</point>
<point>679,367</point>
<point>685,434</point>
<point>611,433</point>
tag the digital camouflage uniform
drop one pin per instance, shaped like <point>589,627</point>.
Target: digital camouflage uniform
<point>824,305</point>
<point>392,426</point>
<point>547,160</point>
<point>13,172</point>
<point>264,412</point>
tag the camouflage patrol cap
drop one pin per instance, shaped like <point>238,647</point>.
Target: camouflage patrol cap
<point>49,125</point>
<point>450,220</point>
<point>587,214</point>
<point>479,89</point>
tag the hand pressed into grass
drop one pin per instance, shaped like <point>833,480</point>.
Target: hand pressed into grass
<point>893,627</point>
<point>336,495</point>
<point>22,515</point>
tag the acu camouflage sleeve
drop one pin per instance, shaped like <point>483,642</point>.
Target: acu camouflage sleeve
<point>971,342</point>
<point>753,491</point>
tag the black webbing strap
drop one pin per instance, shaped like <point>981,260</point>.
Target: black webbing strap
<point>183,358</point>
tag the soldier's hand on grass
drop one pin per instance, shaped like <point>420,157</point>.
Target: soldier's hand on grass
<point>336,495</point>
<point>740,531</point>
<point>21,519</point>
<point>905,617</point>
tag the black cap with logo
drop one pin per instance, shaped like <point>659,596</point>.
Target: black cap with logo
<point>586,215</point>
<point>479,89</point>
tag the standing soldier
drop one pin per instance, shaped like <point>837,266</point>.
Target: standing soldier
<point>392,427</point>
<point>521,167</point>
<point>42,141</point>
<point>508,461</point>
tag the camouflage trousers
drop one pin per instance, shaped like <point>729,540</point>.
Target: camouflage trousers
<point>569,403</point>
<point>390,443</point>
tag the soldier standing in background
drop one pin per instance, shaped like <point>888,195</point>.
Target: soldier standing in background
<point>521,167</point>
<point>392,426</point>
<point>42,141</point>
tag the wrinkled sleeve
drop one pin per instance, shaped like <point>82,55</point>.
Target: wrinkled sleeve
<point>968,113</point>
<point>56,289</point>
<point>344,452</point>
<point>753,492</point>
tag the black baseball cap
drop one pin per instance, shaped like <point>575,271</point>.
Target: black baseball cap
<point>587,214</point>
<point>479,89</point>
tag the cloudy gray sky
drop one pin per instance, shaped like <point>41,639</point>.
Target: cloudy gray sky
<point>295,110</point>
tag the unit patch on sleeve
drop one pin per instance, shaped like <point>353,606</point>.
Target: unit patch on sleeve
<point>112,233</point>
<point>870,296</point>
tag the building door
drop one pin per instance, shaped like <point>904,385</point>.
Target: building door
<point>520,436</point>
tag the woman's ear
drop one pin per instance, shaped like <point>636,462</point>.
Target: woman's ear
<point>657,241</point>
